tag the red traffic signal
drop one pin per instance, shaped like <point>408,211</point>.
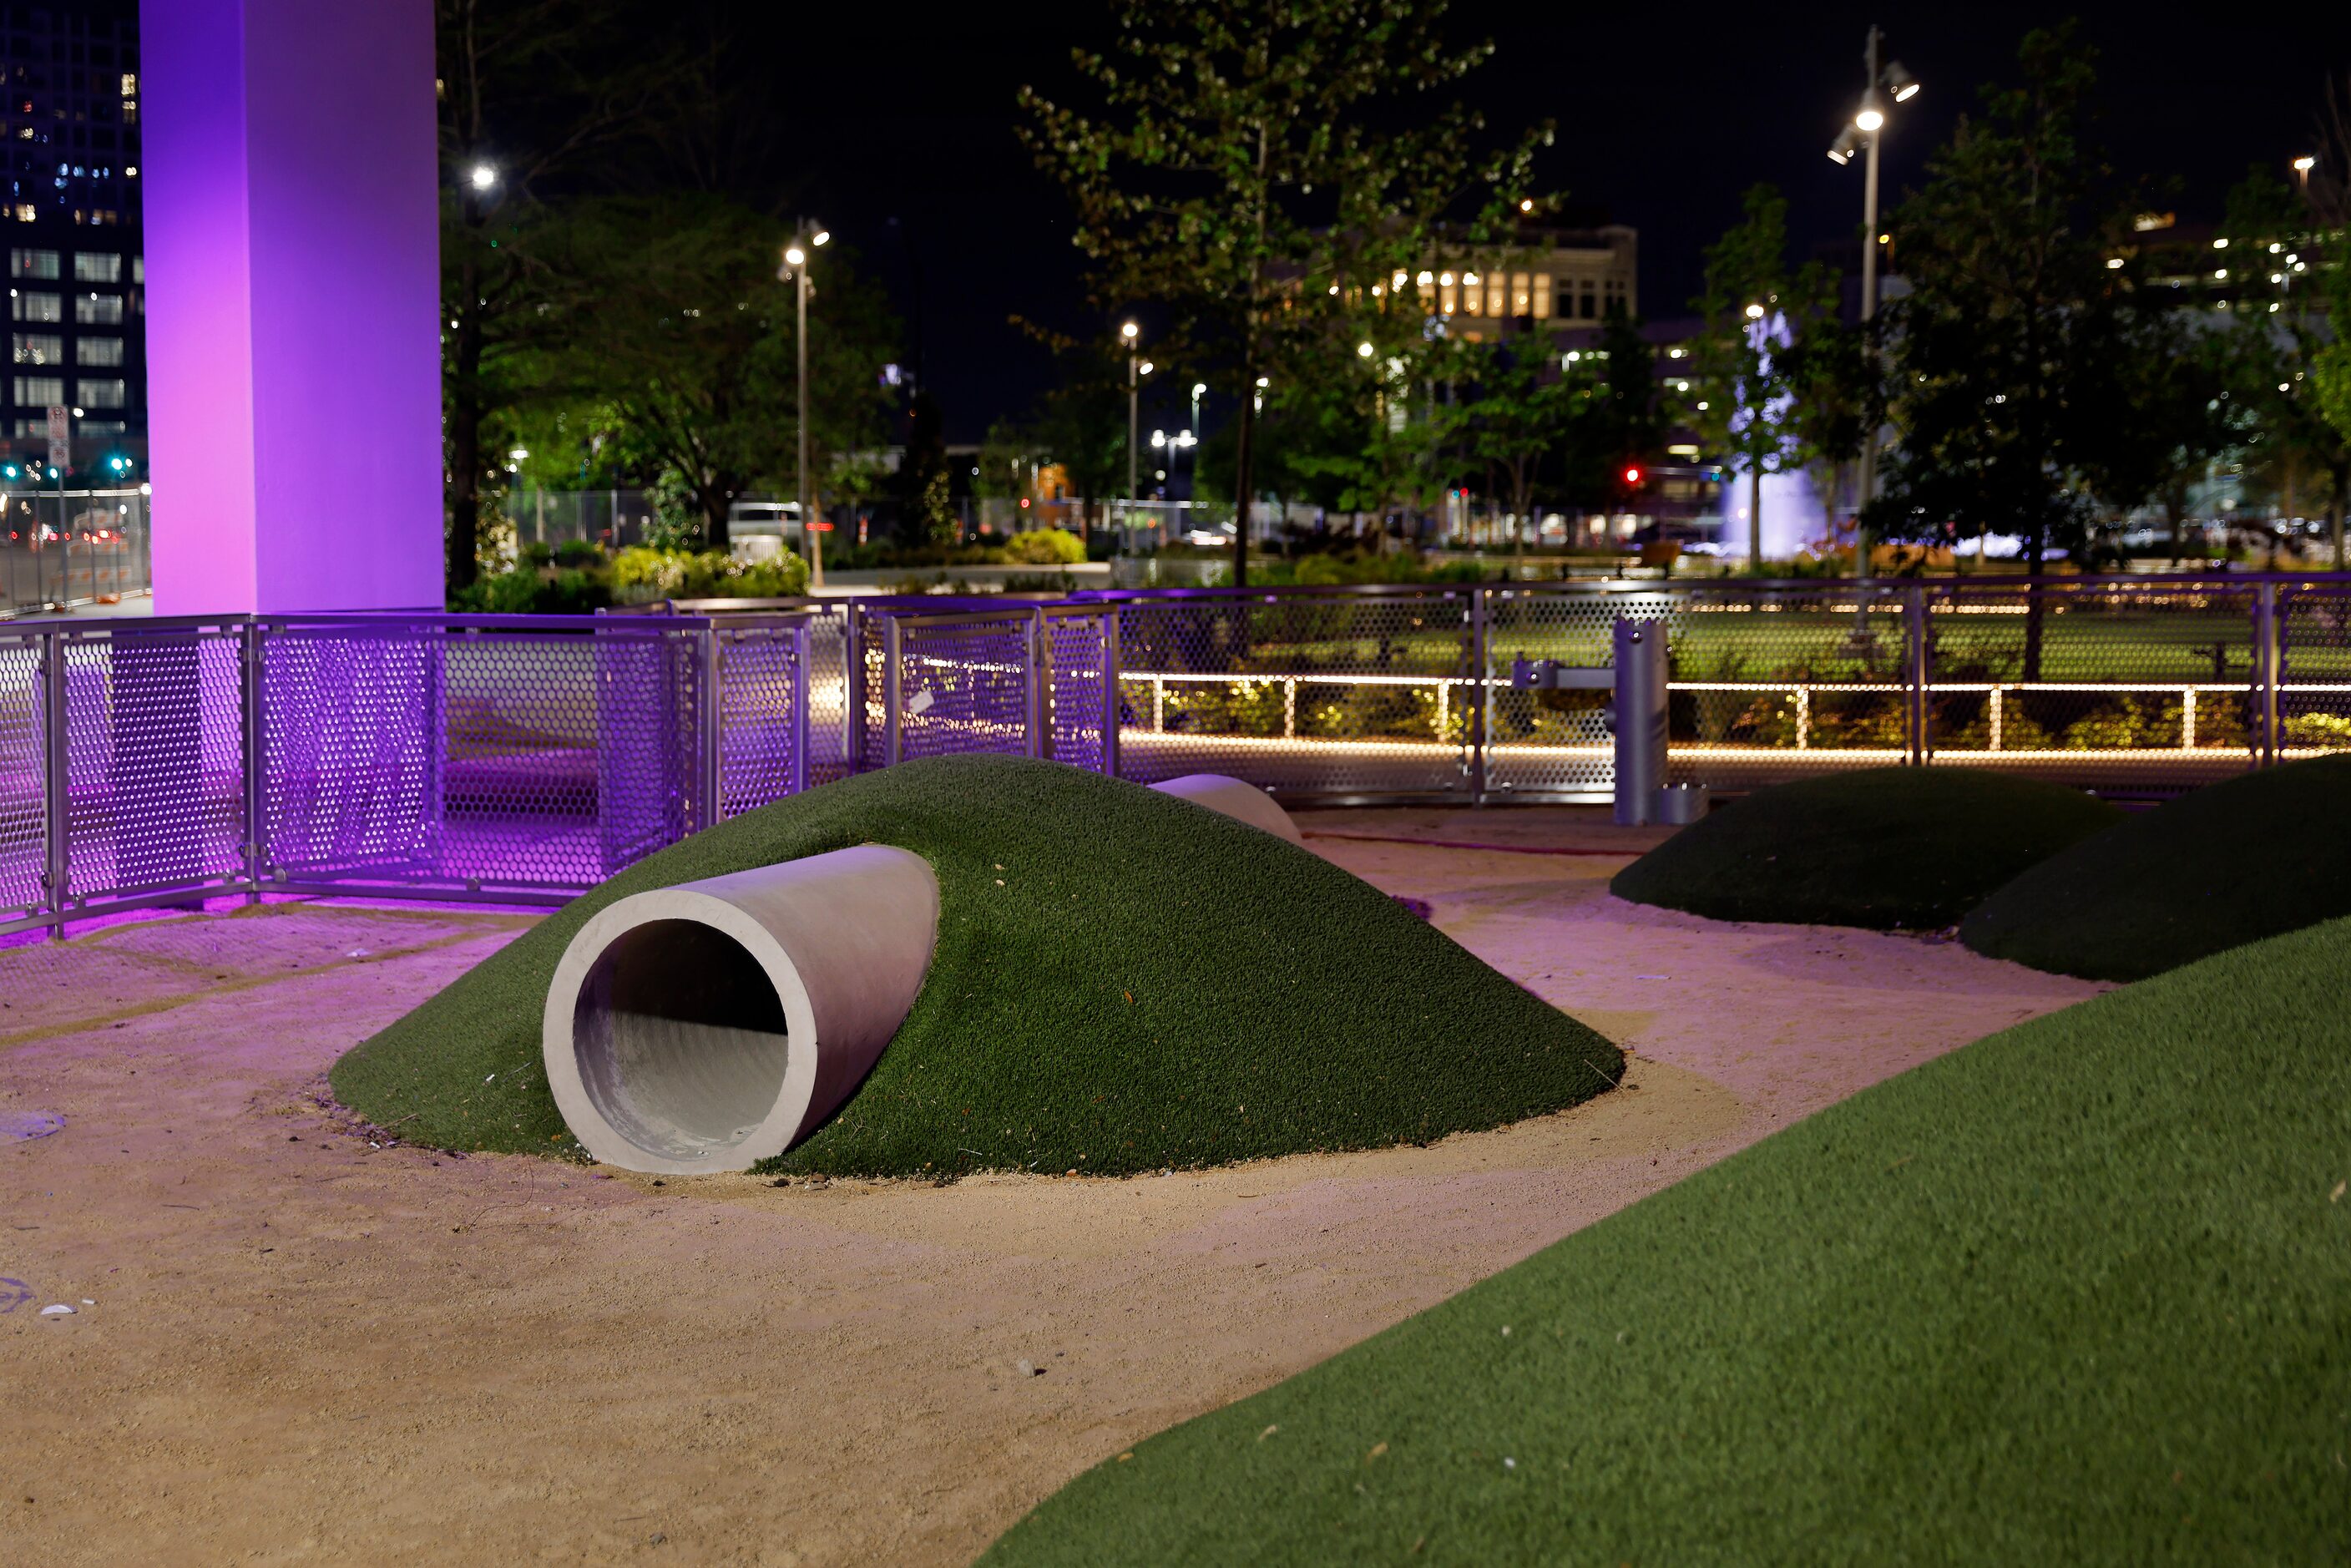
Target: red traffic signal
<point>1632,474</point>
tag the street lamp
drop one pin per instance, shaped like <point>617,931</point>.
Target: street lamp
<point>2301,168</point>
<point>795,270</point>
<point>483,176</point>
<point>1128,332</point>
<point>1861,135</point>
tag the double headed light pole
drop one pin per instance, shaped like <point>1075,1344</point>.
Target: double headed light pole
<point>1884,82</point>
<point>796,271</point>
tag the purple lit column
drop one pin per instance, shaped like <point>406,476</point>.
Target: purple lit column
<point>293,281</point>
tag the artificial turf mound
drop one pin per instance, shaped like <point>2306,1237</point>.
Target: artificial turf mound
<point>2080,1291</point>
<point>1907,848</point>
<point>1123,981</point>
<point>2230,864</point>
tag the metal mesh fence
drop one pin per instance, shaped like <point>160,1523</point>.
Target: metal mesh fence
<point>2146,689</point>
<point>1081,658</point>
<point>763,731</point>
<point>960,682</point>
<point>1303,693</point>
<point>535,755</point>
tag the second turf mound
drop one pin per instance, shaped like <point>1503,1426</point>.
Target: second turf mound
<point>1890,848</point>
<point>2233,863</point>
<point>2078,1293</point>
<point>1123,981</point>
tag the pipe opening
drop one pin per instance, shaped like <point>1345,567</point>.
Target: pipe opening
<point>680,1039</point>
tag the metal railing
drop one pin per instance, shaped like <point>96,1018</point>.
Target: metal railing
<point>526,757</point>
<point>519,759</point>
<point>61,548</point>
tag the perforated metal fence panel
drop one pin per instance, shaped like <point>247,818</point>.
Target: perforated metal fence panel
<point>1081,651</point>
<point>2144,689</point>
<point>2313,689</point>
<point>961,683</point>
<point>351,759</point>
<point>763,726</point>
<point>1304,692</point>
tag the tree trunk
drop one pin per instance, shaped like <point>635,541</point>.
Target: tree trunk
<point>464,502</point>
<point>2342,478</point>
<point>2034,609</point>
<point>1755,518</point>
<point>1244,476</point>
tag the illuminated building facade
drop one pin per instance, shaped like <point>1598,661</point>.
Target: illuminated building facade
<point>77,278</point>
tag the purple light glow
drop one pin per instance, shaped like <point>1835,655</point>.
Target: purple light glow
<point>293,302</point>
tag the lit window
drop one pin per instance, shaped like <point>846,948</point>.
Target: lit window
<point>39,392</point>
<point>91,393</point>
<point>93,351</point>
<point>96,266</point>
<point>1522,297</point>
<point>1497,294</point>
<point>1543,296</point>
<point>130,84</point>
<point>31,304</point>
<point>98,309</point>
<point>41,263</point>
<point>38,348</point>
<point>1446,299</point>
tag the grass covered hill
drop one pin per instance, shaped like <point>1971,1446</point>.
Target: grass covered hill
<point>1893,847</point>
<point>2230,864</point>
<point>1123,981</point>
<point>2078,1293</point>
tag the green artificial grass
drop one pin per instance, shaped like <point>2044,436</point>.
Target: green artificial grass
<point>1907,848</point>
<point>1123,981</point>
<point>2078,1293</point>
<point>2230,864</point>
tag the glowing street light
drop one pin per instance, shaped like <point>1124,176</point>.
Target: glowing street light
<point>483,176</point>
<point>1364,350</point>
<point>1862,136</point>
<point>795,268</point>
<point>1137,369</point>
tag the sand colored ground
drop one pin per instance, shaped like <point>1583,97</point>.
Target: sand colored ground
<point>302,1348</point>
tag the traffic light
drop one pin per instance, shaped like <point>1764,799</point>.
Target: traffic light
<point>1632,476</point>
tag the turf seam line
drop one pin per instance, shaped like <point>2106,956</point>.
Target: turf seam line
<point>1466,844</point>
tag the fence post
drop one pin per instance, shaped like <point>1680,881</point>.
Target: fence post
<point>710,788</point>
<point>798,779</point>
<point>1111,713</point>
<point>853,669</point>
<point>2266,650</point>
<point>56,779</point>
<point>892,682</point>
<point>1475,712</point>
<point>1914,672</point>
<point>1040,667</point>
<point>256,750</point>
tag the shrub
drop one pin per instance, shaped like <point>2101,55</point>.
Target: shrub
<point>1045,547</point>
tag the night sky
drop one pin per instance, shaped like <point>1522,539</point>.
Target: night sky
<point>1666,114</point>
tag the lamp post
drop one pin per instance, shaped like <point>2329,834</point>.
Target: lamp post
<point>1861,135</point>
<point>1127,333</point>
<point>796,269</point>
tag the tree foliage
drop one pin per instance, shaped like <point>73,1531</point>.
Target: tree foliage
<point>1252,171</point>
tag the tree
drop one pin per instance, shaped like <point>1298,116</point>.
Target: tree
<point>527,89</point>
<point>1523,407</point>
<point>681,339</point>
<point>2010,354</point>
<point>1256,170</point>
<point>1755,310</point>
<point>1617,420</point>
<point>924,502</point>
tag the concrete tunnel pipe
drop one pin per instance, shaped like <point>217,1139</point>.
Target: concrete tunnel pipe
<point>703,1028</point>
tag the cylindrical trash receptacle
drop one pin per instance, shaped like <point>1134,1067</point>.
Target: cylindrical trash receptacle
<point>708,1026</point>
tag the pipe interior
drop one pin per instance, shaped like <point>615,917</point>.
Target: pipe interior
<point>680,1039</point>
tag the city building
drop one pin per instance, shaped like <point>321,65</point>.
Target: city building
<point>1548,276</point>
<point>77,279</point>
